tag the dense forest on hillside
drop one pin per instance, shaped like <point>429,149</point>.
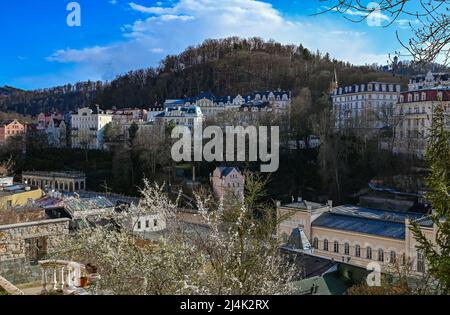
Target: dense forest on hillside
<point>223,66</point>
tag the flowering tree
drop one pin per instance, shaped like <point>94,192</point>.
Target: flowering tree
<point>220,257</point>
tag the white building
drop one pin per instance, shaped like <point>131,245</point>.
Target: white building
<point>189,116</point>
<point>88,126</point>
<point>365,106</point>
<point>429,80</point>
<point>56,133</point>
<point>212,105</point>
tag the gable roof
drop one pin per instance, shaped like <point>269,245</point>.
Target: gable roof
<point>225,171</point>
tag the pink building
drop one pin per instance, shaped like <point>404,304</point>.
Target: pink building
<point>227,179</point>
<point>10,128</point>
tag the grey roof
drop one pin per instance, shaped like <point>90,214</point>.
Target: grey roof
<point>376,214</point>
<point>361,225</point>
<point>303,205</point>
<point>225,171</point>
<point>74,205</point>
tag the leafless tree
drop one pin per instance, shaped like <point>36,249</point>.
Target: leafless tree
<point>428,20</point>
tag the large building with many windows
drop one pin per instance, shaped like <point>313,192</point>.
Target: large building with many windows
<point>415,110</point>
<point>354,234</point>
<point>365,106</point>
<point>88,126</point>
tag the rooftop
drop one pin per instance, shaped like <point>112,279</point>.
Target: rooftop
<point>68,174</point>
<point>76,205</point>
<point>303,205</point>
<point>15,189</point>
<point>361,225</point>
<point>375,214</point>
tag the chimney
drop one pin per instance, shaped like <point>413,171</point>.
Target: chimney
<point>330,204</point>
<point>300,199</point>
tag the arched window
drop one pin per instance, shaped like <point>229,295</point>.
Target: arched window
<point>325,245</point>
<point>336,246</point>
<point>393,257</point>
<point>369,253</point>
<point>316,243</point>
<point>381,255</point>
<point>347,249</point>
<point>358,251</point>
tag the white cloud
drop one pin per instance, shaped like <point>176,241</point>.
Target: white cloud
<point>188,22</point>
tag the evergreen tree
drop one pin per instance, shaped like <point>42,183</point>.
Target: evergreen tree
<point>437,251</point>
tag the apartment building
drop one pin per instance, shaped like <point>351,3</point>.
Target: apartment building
<point>365,106</point>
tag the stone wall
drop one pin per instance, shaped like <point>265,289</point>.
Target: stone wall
<point>13,237</point>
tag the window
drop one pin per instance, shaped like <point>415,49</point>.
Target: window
<point>369,253</point>
<point>139,225</point>
<point>325,245</point>
<point>381,255</point>
<point>420,263</point>
<point>347,249</point>
<point>316,243</point>
<point>358,251</point>
<point>9,203</point>
<point>336,247</point>
<point>393,258</point>
<point>147,224</point>
<point>155,222</point>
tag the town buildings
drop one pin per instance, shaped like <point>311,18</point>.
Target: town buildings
<point>189,116</point>
<point>415,110</point>
<point>211,105</point>
<point>365,106</point>
<point>88,126</point>
<point>356,235</point>
<point>44,119</point>
<point>428,80</point>
<point>9,129</point>
<point>227,180</point>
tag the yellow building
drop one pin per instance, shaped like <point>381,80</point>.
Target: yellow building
<point>353,234</point>
<point>18,195</point>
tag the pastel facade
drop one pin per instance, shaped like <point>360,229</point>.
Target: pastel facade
<point>356,235</point>
<point>18,196</point>
<point>227,180</point>
<point>88,128</point>
<point>11,128</point>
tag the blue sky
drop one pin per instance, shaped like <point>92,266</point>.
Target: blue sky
<point>40,50</point>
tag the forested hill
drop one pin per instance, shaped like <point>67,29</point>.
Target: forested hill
<point>225,66</point>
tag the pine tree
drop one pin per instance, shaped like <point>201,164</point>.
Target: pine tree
<point>437,251</point>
